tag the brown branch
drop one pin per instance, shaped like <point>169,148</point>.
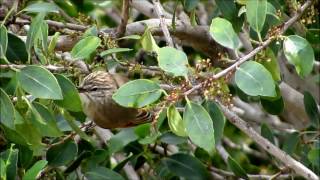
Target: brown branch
<point>26,20</point>
<point>286,159</point>
<point>263,45</point>
<point>18,66</point>
<point>163,25</point>
<point>121,30</point>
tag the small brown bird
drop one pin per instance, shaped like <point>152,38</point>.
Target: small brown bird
<point>96,92</point>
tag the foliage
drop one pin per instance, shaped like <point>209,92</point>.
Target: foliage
<point>233,55</point>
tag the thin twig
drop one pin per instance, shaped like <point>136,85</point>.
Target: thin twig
<point>263,45</point>
<point>286,159</point>
<point>163,25</point>
<point>251,176</point>
<point>121,30</point>
<point>26,20</point>
<point>18,66</point>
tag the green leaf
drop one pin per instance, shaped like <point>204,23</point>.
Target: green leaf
<point>39,82</point>
<point>173,61</point>
<point>271,64</point>
<point>222,32</point>
<point>199,126</point>
<point>299,52</point>
<point>62,154</point>
<point>256,14</point>
<point>71,99</point>
<point>148,43</point>
<point>190,5</point>
<point>103,173</point>
<point>218,119</point>
<point>50,128</point>
<point>92,31</point>
<point>42,7</point>
<point>3,41</point>
<point>311,108</point>
<point>314,156</point>
<point>16,49</point>
<point>114,50</point>
<point>34,31</point>
<point>137,93</point>
<point>53,42</point>
<point>7,110</point>
<point>291,142</point>
<point>273,105</point>
<point>255,80</point>
<point>14,136</point>
<point>236,168</point>
<point>185,165</point>
<point>33,172</point>
<point>44,36</point>
<point>175,121</point>
<point>170,138</point>
<point>267,133</point>
<point>85,47</point>
<point>134,36</point>
<point>10,158</point>
<point>120,140</point>
<point>230,12</point>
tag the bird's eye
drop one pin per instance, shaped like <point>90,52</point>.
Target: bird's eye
<point>94,89</point>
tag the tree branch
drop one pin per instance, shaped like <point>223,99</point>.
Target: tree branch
<point>163,25</point>
<point>268,146</point>
<point>121,30</point>
<point>263,45</point>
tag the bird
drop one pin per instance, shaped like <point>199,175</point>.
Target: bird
<point>96,92</point>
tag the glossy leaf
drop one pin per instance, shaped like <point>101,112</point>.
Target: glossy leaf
<point>173,61</point>
<point>34,31</point>
<point>171,138</point>
<point>267,133</point>
<point>10,158</point>
<point>33,172</point>
<point>175,121</point>
<point>255,80</point>
<point>148,43</point>
<point>16,49</point>
<point>236,168</point>
<point>62,153</point>
<point>311,108</point>
<point>134,36</point>
<point>273,105</point>
<point>271,64</point>
<point>50,128</point>
<point>199,126</point>
<point>42,7</point>
<point>71,99</point>
<point>222,32</point>
<point>120,140</point>
<point>138,93</point>
<point>256,13</point>
<point>299,52</point>
<point>102,173</point>
<point>218,119</point>
<point>53,42</point>
<point>39,82</point>
<point>291,142</point>
<point>7,110</point>
<point>3,41</point>
<point>114,50</point>
<point>186,166</point>
<point>85,47</point>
